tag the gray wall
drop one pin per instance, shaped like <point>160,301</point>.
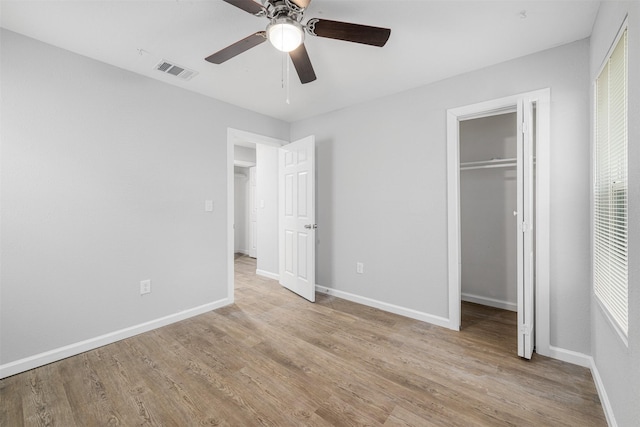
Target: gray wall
<point>103,185</point>
<point>487,201</point>
<point>617,364</point>
<point>267,189</point>
<point>382,192</point>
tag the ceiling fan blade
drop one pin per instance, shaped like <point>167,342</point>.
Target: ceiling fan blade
<point>302,63</point>
<point>303,4</point>
<point>365,34</point>
<point>248,6</point>
<point>237,48</point>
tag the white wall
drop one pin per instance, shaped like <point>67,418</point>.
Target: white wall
<point>618,366</point>
<point>267,191</point>
<point>102,186</point>
<point>487,201</point>
<point>241,210</point>
<point>381,188</point>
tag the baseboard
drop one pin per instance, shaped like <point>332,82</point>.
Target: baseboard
<point>570,356</point>
<point>491,302</point>
<point>268,274</point>
<point>60,353</point>
<point>602,394</point>
<point>403,311</point>
<point>242,251</point>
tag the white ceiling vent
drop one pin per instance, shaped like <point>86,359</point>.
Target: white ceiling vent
<point>175,70</point>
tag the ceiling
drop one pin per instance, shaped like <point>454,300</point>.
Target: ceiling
<point>430,40</point>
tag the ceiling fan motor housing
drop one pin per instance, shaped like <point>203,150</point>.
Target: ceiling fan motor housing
<point>285,34</point>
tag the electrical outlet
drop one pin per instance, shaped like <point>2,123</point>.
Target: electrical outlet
<point>359,268</point>
<point>145,287</point>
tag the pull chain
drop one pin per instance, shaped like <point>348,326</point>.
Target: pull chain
<point>285,81</point>
<point>288,79</point>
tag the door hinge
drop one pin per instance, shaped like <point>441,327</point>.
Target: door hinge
<point>524,127</point>
<point>525,330</point>
<point>523,226</point>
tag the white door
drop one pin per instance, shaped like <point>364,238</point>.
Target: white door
<point>297,210</point>
<point>253,214</point>
<point>526,265</point>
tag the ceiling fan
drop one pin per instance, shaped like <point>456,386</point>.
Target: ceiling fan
<point>286,32</point>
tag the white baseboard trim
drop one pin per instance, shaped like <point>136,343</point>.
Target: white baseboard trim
<point>268,274</point>
<point>602,394</point>
<point>570,356</point>
<point>491,302</point>
<point>60,353</point>
<point>242,251</point>
<point>403,311</point>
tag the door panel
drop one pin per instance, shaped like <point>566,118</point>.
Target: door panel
<point>526,286</point>
<point>297,217</point>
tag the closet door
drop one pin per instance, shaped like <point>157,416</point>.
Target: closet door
<point>525,197</point>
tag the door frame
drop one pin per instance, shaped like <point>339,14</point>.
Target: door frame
<point>236,136</point>
<point>542,230</point>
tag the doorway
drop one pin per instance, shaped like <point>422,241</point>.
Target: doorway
<point>532,121</point>
<point>265,151</point>
<point>285,209</point>
<point>245,211</point>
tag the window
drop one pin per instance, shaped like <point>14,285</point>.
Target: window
<point>610,186</point>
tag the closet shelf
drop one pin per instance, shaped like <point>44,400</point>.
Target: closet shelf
<point>487,164</point>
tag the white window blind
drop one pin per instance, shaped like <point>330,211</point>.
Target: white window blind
<point>610,187</point>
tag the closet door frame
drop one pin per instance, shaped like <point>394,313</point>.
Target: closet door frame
<point>541,99</point>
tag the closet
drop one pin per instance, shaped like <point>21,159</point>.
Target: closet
<point>491,150</point>
<point>488,207</point>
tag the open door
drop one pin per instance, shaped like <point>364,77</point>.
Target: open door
<point>297,209</point>
<point>525,198</point>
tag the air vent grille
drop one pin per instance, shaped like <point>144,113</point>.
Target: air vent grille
<point>175,70</point>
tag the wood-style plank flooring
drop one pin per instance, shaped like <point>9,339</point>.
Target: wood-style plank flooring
<point>273,359</point>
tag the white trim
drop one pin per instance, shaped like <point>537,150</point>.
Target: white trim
<point>243,138</point>
<point>491,302</point>
<point>453,219</point>
<point>403,311</point>
<point>569,356</point>
<point>60,353</point>
<point>231,137</point>
<point>268,274</point>
<point>602,394</point>
<point>483,109</point>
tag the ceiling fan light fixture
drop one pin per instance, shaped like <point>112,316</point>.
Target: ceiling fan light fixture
<point>285,34</point>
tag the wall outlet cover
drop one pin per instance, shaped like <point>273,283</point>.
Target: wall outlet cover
<point>145,287</point>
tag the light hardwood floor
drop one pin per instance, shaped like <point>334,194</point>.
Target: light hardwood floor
<point>274,359</point>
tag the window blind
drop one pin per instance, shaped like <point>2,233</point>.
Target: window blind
<point>610,187</point>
